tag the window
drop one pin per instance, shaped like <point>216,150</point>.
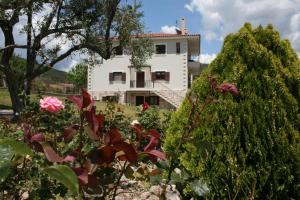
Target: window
<point>160,75</point>
<point>178,47</point>
<point>160,49</point>
<point>119,51</point>
<point>117,77</point>
<point>152,100</point>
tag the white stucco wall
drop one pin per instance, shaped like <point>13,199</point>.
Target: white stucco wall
<point>176,64</point>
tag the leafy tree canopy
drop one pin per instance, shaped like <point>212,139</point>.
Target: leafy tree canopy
<point>78,75</point>
<point>55,29</point>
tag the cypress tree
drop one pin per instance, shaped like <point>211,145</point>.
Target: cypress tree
<point>245,147</point>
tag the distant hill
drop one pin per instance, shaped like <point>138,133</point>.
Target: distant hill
<point>54,76</point>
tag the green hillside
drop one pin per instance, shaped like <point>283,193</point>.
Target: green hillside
<point>54,76</point>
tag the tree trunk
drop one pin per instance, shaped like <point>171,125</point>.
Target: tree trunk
<point>14,89</point>
<point>12,79</point>
<point>30,55</point>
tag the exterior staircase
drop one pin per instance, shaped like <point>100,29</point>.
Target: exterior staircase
<point>173,97</point>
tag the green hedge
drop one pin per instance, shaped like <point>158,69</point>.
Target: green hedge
<point>246,147</point>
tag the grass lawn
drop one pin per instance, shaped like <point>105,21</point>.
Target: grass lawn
<point>5,102</point>
<point>129,111</point>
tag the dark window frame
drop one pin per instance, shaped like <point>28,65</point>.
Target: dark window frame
<point>178,47</point>
<point>160,51</point>
<point>160,75</point>
<point>117,77</point>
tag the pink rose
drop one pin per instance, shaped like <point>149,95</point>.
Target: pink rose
<point>51,104</point>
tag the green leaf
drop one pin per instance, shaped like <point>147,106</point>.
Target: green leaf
<point>5,169</point>
<point>65,175</point>
<point>5,165</point>
<point>17,147</point>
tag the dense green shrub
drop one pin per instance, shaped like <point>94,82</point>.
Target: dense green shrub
<point>245,147</point>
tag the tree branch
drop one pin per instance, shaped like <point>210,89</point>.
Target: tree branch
<point>14,46</point>
<point>42,68</point>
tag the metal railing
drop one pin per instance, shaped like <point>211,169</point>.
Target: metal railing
<point>141,84</point>
<point>171,94</point>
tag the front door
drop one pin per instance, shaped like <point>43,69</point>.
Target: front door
<point>139,100</point>
<point>140,79</point>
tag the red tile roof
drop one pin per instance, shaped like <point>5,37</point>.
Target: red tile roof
<point>166,35</point>
<point>157,35</point>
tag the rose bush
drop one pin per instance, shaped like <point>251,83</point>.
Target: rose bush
<point>88,157</point>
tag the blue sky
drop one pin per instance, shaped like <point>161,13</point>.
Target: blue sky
<point>159,13</point>
<point>213,19</point>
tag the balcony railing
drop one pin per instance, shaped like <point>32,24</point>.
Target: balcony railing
<point>142,84</point>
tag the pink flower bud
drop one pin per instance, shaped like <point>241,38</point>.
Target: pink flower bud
<point>228,87</point>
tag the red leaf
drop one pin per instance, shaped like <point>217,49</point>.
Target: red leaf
<point>91,133</point>
<point>92,181</point>
<point>157,154</point>
<point>113,137</point>
<point>82,175</point>
<point>100,119</point>
<point>213,82</point>
<point>228,87</point>
<point>137,128</point>
<point>52,156</point>
<point>129,151</point>
<point>86,99</point>
<point>69,134</point>
<point>27,133</point>
<point>145,106</point>
<point>69,158</point>
<point>103,155</point>
<point>153,133</point>
<point>92,121</point>
<point>155,172</point>
<point>38,138</point>
<point>152,144</point>
<point>76,99</point>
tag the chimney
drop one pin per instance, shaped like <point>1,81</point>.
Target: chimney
<point>183,26</point>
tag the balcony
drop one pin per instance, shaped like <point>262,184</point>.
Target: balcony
<point>142,84</point>
<point>194,67</point>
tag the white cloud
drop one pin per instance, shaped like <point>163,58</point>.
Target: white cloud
<point>168,29</point>
<point>207,58</point>
<point>210,35</point>
<point>220,17</point>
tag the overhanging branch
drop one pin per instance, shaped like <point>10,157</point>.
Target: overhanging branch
<point>44,67</point>
<point>14,46</point>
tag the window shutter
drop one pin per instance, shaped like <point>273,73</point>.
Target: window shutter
<point>167,77</point>
<point>153,77</point>
<point>111,77</point>
<point>124,77</point>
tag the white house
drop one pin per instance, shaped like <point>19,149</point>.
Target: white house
<point>164,82</point>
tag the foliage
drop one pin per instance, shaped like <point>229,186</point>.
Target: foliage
<point>246,146</point>
<point>82,26</point>
<point>78,75</point>
<point>140,49</point>
<point>87,155</point>
<point>150,119</point>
